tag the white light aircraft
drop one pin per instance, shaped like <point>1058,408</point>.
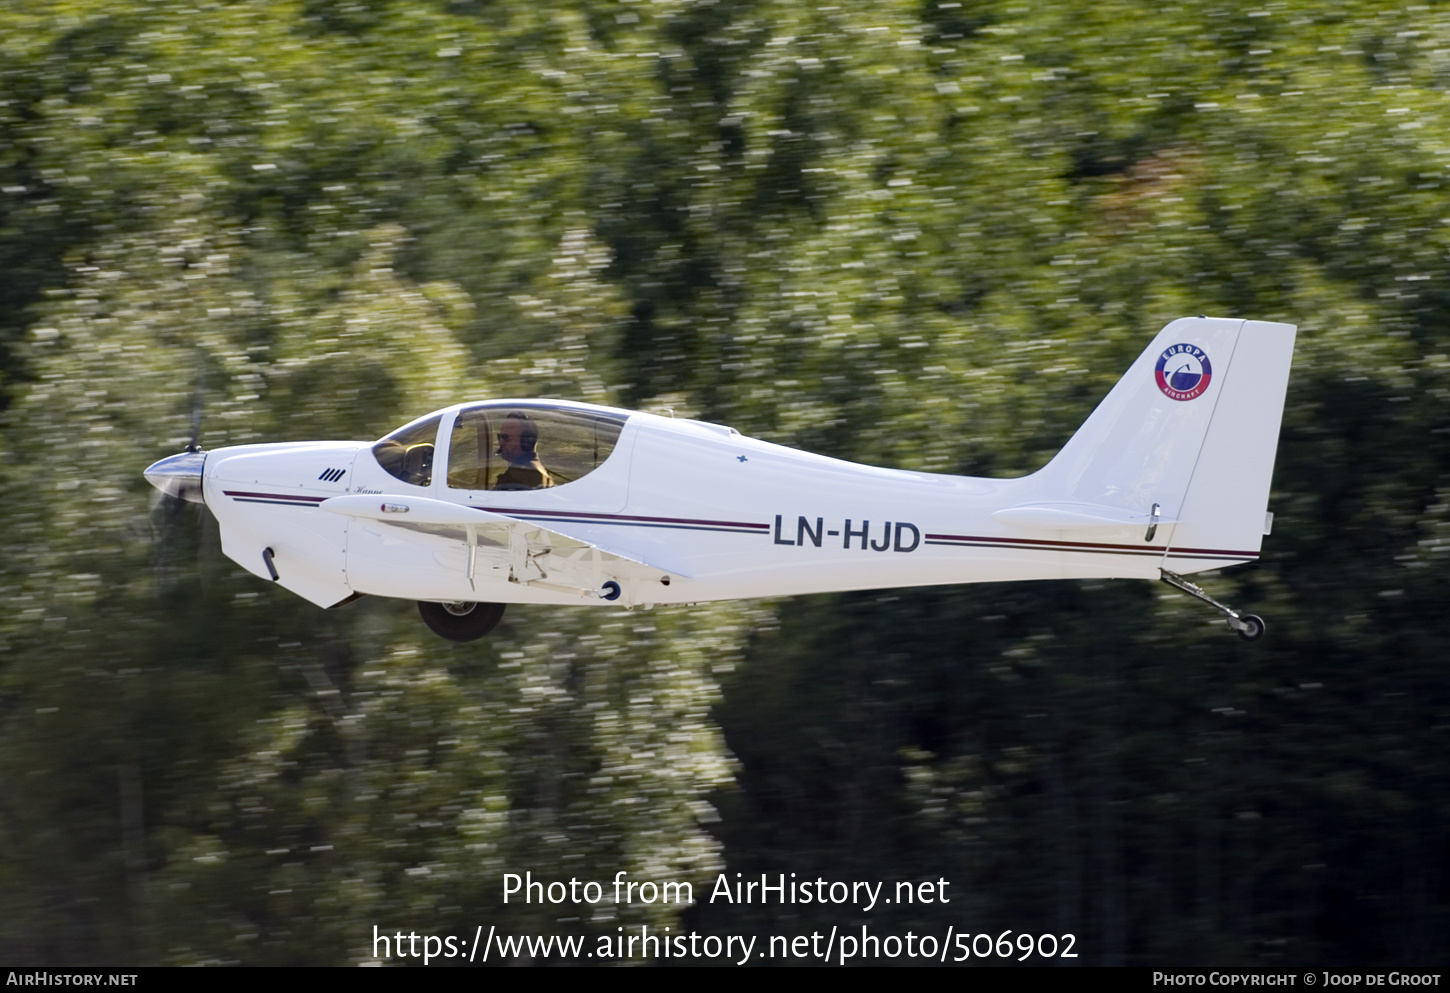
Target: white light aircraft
<point>547,501</point>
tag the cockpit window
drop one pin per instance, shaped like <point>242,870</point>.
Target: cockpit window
<point>528,447</point>
<point>407,453</point>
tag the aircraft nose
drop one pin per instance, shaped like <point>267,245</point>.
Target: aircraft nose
<point>179,476</point>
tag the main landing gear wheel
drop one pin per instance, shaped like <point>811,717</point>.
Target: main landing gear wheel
<point>1250,627</point>
<point>462,621</point>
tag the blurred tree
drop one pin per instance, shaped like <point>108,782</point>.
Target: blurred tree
<point>927,234</point>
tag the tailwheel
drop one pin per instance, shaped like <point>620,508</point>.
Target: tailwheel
<point>1250,627</point>
<point>462,620</point>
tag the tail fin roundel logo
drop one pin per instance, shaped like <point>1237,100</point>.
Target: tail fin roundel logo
<point>1183,371</point>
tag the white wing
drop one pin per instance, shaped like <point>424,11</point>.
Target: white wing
<point>533,555</point>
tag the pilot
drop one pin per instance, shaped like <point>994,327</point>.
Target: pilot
<point>517,437</point>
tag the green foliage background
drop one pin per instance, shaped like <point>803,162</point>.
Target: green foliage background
<point>924,234</point>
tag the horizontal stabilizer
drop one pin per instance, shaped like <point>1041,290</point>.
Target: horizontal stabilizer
<point>1073,517</point>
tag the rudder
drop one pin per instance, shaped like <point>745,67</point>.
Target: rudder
<point>1223,516</point>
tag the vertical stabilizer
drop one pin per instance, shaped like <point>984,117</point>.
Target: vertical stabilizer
<point>1189,431</point>
<point>1139,446</point>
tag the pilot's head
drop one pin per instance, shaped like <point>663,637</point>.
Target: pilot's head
<point>517,437</point>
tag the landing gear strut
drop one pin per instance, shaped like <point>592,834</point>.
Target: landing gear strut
<point>1249,627</point>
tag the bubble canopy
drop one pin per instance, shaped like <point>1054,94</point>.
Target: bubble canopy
<point>505,446</point>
